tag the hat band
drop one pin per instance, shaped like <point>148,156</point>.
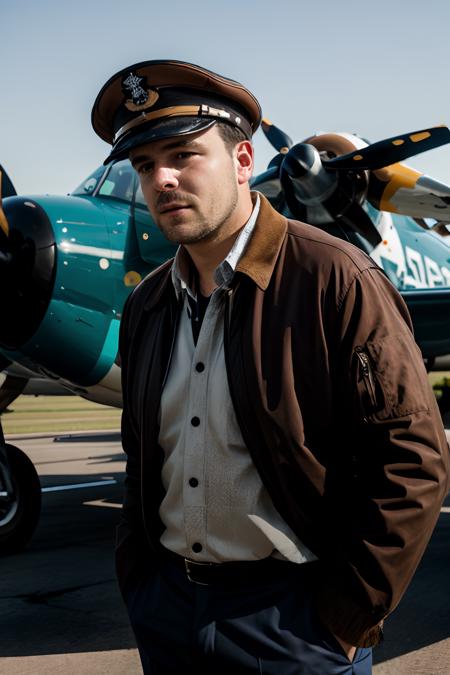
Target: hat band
<point>180,111</point>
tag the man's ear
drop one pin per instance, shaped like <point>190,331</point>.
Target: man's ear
<point>244,160</point>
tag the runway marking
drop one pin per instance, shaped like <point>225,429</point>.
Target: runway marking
<point>102,502</point>
<point>78,486</point>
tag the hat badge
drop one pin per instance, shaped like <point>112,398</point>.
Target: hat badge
<point>142,96</point>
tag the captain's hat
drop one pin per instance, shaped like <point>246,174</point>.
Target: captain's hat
<point>159,99</point>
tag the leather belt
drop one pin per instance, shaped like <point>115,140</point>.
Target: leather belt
<point>235,573</point>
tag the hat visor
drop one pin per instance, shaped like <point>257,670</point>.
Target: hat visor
<point>172,126</point>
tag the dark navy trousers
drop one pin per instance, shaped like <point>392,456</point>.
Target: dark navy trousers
<point>267,628</point>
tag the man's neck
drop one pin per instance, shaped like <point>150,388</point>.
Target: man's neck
<point>207,255</point>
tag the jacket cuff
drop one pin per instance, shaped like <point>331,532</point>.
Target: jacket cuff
<point>345,616</point>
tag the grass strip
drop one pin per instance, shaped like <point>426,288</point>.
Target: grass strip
<point>33,414</point>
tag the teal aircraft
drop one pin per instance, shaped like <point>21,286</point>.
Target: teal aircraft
<point>67,265</point>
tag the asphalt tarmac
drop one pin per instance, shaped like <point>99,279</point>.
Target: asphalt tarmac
<point>60,608</point>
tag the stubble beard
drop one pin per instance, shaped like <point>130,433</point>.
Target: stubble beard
<point>204,227</point>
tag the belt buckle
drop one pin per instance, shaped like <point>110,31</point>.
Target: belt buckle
<point>187,566</point>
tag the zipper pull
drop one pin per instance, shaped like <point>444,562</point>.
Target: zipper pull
<point>367,373</point>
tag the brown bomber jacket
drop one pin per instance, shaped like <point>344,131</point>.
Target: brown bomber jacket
<point>334,405</point>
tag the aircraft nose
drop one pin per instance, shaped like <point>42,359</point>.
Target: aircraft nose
<point>27,270</point>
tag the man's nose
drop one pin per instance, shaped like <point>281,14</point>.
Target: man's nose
<point>165,178</point>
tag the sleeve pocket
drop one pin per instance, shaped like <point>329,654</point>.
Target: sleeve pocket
<point>391,378</point>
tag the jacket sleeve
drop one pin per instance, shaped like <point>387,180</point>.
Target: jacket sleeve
<point>385,491</point>
<point>132,549</point>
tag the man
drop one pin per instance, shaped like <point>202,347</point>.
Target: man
<point>286,458</point>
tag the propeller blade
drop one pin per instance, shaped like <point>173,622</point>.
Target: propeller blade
<point>390,150</point>
<point>4,227</point>
<point>359,220</point>
<point>3,223</point>
<point>276,137</point>
<point>269,184</point>
<point>5,255</point>
<point>276,161</point>
<point>400,189</point>
<point>7,188</point>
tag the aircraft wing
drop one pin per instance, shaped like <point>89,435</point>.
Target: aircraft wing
<point>16,380</point>
<point>10,387</point>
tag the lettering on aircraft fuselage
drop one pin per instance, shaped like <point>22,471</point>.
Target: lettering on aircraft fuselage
<point>407,266</point>
<point>423,272</point>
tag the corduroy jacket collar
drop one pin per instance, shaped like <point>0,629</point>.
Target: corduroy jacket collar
<point>259,258</point>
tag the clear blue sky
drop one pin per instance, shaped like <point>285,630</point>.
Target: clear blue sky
<point>375,68</point>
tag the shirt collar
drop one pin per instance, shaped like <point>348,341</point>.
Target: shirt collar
<point>182,269</point>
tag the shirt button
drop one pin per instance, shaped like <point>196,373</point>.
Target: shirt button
<point>200,367</point>
<point>193,482</point>
<point>197,547</point>
<point>195,421</point>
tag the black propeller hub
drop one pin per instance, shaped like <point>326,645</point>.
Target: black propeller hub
<point>329,199</point>
<point>300,160</point>
<point>302,173</point>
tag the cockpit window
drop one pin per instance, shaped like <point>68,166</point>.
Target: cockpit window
<point>89,184</point>
<point>119,183</point>
<point>140,201</point>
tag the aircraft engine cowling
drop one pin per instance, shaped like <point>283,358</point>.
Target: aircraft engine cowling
<point>322,196</point>
<point>64,284</point>
<point>316,194</point>
<point>27,271</point>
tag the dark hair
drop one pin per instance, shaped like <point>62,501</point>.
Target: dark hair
<point>230,134</point>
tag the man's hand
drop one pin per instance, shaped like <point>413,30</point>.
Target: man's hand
<point>349,649</point>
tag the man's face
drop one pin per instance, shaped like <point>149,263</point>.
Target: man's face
<point>190,184</point>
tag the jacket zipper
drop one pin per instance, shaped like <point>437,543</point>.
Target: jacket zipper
<point>367,375</point>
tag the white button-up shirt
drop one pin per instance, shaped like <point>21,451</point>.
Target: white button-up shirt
<point>215,508</point>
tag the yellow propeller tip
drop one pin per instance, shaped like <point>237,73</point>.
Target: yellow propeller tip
<point>4,223</point>
<point>420,137</point>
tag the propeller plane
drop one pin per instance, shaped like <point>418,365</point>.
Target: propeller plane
<point>67,265</point>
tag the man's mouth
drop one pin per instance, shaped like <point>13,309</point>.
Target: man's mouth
<point>169,208</point>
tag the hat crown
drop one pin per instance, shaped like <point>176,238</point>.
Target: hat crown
<point>150,92</point>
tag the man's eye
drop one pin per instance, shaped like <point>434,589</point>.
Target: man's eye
<point>184,155</point>
<point>145,168</point>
